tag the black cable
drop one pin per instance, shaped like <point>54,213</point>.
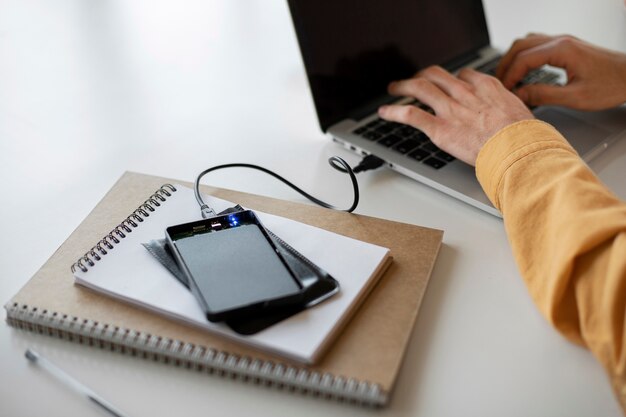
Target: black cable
<point>367,163</point>
<point>336,162</point>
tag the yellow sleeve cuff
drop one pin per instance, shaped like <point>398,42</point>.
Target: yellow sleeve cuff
<point>510,145</point>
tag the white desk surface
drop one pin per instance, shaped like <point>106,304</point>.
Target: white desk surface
<point>89,89</point>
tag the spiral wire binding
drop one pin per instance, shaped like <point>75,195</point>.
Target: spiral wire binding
<point>188,355</point>
<point>119,232</point>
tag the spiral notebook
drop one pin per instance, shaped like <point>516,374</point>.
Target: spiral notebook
<point>360,366</point>
<point>119,266</point>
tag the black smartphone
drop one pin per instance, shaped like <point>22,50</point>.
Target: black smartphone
<point>233,267</point>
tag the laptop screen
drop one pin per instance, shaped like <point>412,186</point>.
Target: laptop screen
<point>352,49</point>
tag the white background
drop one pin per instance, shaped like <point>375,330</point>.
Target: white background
<point>89,89</point>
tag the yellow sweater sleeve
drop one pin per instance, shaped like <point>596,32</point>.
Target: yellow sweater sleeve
<point>568,235</point>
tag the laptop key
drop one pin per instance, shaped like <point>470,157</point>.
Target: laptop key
<point>431,147</point>
<point>406,145</point>
<point>419,154</point>
<point>434,162</point>
<point>360,130</point>
<point>444,156</point>
<point>371,135</point>
<point>420,137</point>
<point>384,128</point>
<point>406,131</point>
<point>389,140</point>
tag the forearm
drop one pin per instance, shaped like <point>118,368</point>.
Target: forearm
<point>568,234</point>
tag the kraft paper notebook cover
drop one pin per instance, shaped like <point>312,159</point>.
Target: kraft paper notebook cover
<point>357,367</point>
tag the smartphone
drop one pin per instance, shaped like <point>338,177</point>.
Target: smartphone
<point>233,267</point>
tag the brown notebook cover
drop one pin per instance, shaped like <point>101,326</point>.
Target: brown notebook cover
<point>358,367</point>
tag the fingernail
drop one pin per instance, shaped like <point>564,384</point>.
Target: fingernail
<point>382,109</point>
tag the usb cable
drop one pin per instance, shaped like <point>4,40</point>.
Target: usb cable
<point>367,163</point>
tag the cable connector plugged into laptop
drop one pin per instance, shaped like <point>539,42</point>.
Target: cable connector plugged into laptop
<point>367,163</point>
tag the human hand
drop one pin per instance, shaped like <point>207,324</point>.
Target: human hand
<point>596,77</point>
<point>468,109</point>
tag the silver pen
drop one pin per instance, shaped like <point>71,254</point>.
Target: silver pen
<point>37,359</point>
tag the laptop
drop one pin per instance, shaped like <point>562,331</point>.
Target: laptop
<point>352,49</point>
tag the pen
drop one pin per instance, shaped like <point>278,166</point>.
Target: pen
<point>36,358</point>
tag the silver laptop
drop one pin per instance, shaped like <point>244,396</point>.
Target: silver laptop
<point>352,49</point>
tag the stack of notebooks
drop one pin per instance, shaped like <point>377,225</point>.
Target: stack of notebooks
<point>349,347</point>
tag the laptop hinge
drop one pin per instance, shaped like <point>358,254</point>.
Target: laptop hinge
<point>461,61</point>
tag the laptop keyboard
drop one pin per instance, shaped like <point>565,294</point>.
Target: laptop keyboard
<point>405,140</point>
<point>414,143</point>
<point>539,75</point>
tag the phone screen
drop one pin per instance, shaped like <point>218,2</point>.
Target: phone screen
<point>235,267</point>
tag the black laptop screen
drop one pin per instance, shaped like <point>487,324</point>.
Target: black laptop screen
<point>352,49</point>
